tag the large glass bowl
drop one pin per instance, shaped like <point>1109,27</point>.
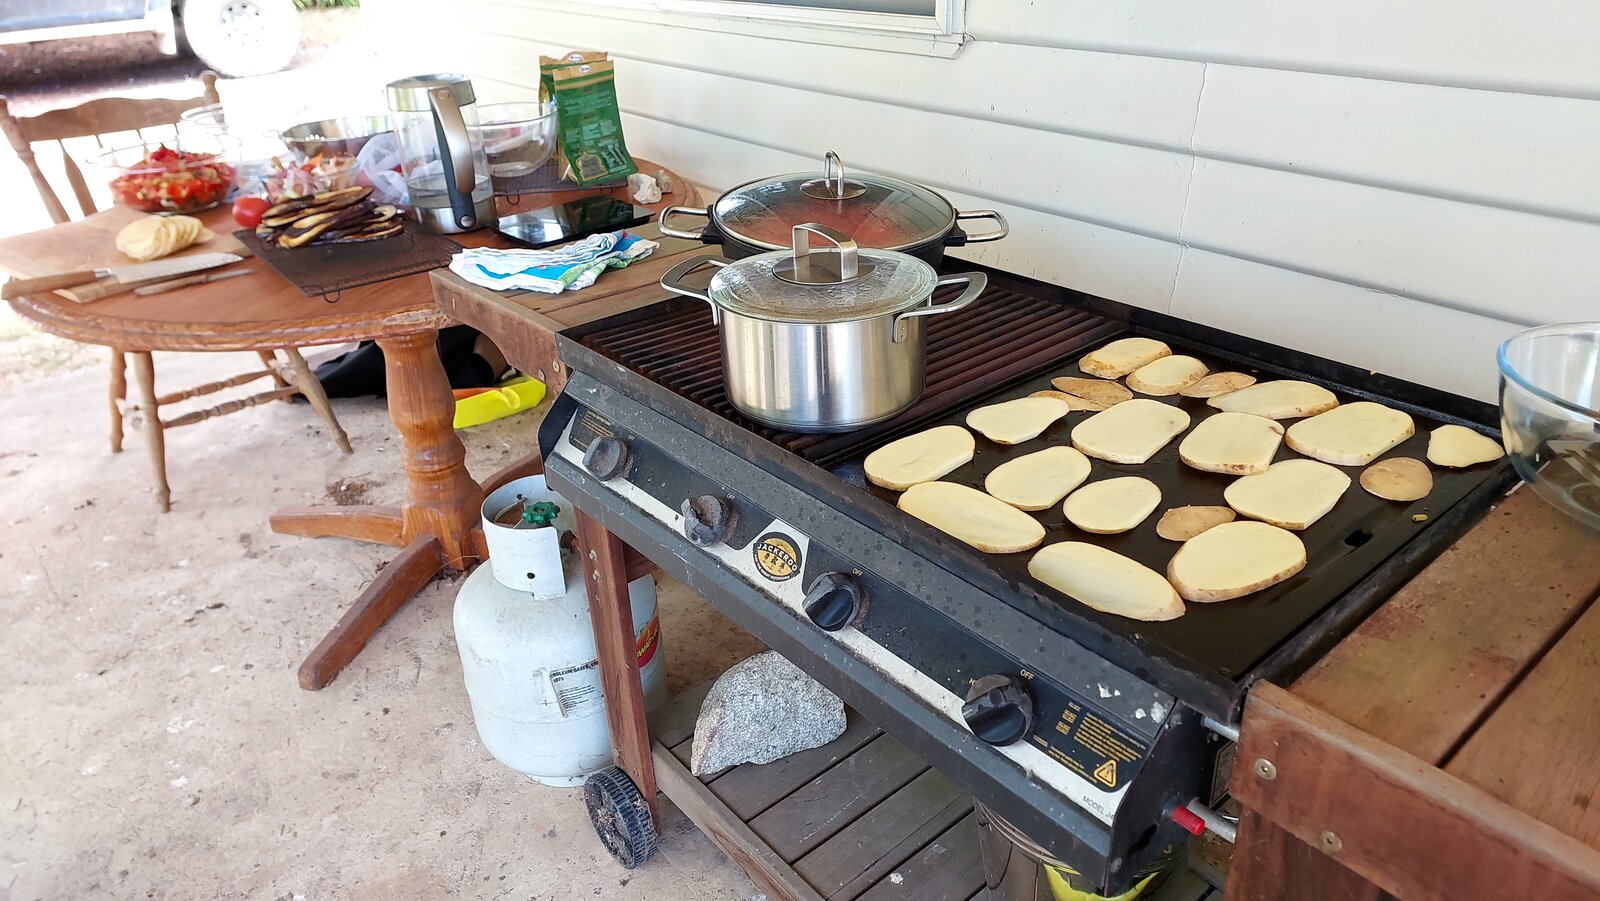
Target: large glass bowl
<point>1550,414</point>
<point>184,175</point>
<point>518,137</point>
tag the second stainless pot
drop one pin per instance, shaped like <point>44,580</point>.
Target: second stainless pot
<point>823,341</point>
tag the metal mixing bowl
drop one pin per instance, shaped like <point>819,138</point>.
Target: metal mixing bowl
<point>346,135</point>
<point>1550,414</point>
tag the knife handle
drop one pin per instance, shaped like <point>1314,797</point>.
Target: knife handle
<point>19,287</point>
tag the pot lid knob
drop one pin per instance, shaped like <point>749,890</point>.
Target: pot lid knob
<point>833,185</point>
<point>828,266</point>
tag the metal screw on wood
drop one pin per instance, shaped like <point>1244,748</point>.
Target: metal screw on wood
<point>1266,769</point>
<point>1331,842</point>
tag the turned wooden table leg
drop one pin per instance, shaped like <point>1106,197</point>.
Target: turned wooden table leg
<point>144,373</point>
<point>442,499</point>
<point>119,392</point>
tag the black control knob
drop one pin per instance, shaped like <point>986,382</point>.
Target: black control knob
<point>999,709</point>
<point>706,519</point>
<point>607,457</point>
<point>833,600</point>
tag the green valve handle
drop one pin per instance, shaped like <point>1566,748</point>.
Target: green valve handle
<point>541,514</point>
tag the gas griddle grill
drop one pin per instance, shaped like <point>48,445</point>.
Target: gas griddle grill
<point>1088,730</point>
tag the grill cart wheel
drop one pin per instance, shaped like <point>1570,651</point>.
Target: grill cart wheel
<point>620,816</point>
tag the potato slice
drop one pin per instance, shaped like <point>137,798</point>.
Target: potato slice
<point>1072,400</point>
<point>1112,506</point>
<point>1106,581</point>
<point>1183,523</point>
<point>1218,383</point>
<point>1167,376</point>
<point>137,239</point>
<point>969,515</point>
<point>1398,479</point>
<point>922,457</point>
<point>1235,559</point>
<point>1016,421</point>
<point>1234,443</point>
<point>1123,356</point>
<point>1291,494</point>
<point>1351,434</point>
<point>1039,480</point>
<point>1130,432</point>
<point>1283,399</point>
<point>1100,391</point>
<point>1457,447</point>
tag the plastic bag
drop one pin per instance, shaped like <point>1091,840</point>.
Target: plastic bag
<point>378,166</point>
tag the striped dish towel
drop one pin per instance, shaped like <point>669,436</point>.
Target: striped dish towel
<point>567,268</point>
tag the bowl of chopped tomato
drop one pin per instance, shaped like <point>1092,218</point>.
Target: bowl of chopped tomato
<point>184,175</point>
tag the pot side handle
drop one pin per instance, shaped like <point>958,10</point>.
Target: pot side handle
<point>976,282</point>
<point>671,232</point>
<point>1002,227</point>
<point>673,281</point>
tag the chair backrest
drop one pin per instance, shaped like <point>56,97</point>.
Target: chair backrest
<point>107,115</point>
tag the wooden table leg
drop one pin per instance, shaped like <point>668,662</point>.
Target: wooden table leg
<point>398,581</point>
<point>612,617</point>
<point>379,525</point>
<point>306,381</point>
<point>144,373</point>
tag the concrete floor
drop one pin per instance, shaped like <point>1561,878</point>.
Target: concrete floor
<point>153,740</point>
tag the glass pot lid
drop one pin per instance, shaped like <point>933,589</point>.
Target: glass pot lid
<point>840,283</point>
<point>873,210</point>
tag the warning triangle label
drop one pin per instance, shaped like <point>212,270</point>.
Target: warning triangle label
<point>1107,773</point>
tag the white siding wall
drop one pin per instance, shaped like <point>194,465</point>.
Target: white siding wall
<point>1397,185</point>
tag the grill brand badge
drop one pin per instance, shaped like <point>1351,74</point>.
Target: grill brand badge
<point>777,556</point>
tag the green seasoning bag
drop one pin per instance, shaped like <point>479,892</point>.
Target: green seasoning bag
<point>548,65</point>
<point>590,124</point>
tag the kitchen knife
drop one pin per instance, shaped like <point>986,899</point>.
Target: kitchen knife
<point>186,281</point>
<point>140,272</point>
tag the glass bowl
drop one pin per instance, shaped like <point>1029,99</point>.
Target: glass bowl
<point>518,137</point>
<point>183,175</point>
<point>1550,414</point>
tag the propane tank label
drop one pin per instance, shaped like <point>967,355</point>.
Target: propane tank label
<point>649,642</point>
<point>577,689</point>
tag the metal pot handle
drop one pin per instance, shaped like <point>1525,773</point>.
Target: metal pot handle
<point>833,170</point>
<point>800,235</point>
<point>976,282</point>
<point>671,232</point>
<point>997,234</point>
<point>673,281</point>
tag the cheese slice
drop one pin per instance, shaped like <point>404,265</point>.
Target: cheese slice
<point>1233,560</point>
<point>1167,376</point>
<point>1016,421</point>
<point>922,457</point>
<point>969,515</point>
<point>1291,494</point>
<point>1238,444</point>
<point>1398,479</point>
<point>1130,432</point>
<point>1351,434</point>
<point>1219,383</point>
<point>1457,447</point>
<point>1100,391</point>
<point>1039,480</point>
<point>1284,399</point>
<point>1112,506</point>
<point>1123,356</point>
<point>1106,581</point>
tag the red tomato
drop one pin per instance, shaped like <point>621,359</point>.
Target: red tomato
<point>247,210</point>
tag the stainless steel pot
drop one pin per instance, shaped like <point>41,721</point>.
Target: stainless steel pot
<point>823,340</point>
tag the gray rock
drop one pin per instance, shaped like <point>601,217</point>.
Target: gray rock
<point>760,710</point>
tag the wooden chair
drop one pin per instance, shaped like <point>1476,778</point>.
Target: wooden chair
<point>112,115</point>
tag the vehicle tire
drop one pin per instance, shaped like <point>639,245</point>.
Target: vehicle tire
<point>241,37</point>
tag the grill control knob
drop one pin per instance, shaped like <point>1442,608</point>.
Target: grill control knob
<point>833,600</point>
<point>607,457</point>
<point>706,519</point>
<point>999,709</point>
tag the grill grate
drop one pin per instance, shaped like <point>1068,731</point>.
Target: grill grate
<point>999,339</point>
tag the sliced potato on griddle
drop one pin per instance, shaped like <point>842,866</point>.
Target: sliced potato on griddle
<point>1039,480</point>
<point>1099,391</point>
<point>1218,383</point>
<point>1167,376</point>
<point>1352,434</point>
<point>1398,479</point>
<point>1291,494</point>
<point>969,515</point>
<point>1234,559</point>
<point>1016,421</point>
<point>1130,432</point>
<point>1238,444</point>
<point>1457,447</point>
<point>1117,359</point>
<point>922,457</point>
<point>1284,399</point>
<point>1113,505</point>
<point>1071,400</point>
<point>1183,523</point>
<point>1106,581</point>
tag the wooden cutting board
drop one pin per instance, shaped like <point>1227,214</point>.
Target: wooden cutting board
<point>91,243</point>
